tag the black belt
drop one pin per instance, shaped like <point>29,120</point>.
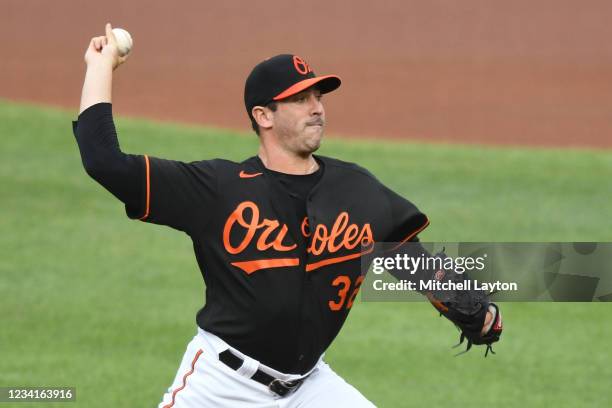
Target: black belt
<point>275,385</point>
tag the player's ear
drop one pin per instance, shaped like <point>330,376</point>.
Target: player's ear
<point>263,117</point>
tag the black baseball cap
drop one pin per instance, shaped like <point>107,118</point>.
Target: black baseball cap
<point>280,77</point>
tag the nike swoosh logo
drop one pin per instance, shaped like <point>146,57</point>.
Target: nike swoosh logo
<point>248,175</point>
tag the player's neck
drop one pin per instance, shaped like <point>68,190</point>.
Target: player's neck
<point>277,159</point>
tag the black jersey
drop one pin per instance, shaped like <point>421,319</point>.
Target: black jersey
<point>278,288</point>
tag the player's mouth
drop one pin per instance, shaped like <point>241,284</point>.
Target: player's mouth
<point>319,123</point>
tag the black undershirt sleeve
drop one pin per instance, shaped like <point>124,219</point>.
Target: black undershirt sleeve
<point>413,249</point>
<point>121,174</point>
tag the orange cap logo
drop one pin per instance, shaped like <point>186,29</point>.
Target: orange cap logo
<point>300,65</point>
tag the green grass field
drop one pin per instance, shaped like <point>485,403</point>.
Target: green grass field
<point>93,300</point>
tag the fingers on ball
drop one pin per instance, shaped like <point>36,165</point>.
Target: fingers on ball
<point>98,42</point>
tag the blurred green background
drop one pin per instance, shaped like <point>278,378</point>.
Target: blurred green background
<point>93,300</point>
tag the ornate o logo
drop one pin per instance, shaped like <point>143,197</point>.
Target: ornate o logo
<point>300,65</point>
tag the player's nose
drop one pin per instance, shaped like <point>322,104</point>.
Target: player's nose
<point>316,105</point>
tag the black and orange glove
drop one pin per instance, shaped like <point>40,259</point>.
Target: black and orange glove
<point>467,309</point>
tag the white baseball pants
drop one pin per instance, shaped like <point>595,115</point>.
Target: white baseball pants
<point>204,381</point>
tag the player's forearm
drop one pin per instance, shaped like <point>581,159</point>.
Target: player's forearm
<point>414,249</point>
<point>98,84</point>
<point>103,160</point>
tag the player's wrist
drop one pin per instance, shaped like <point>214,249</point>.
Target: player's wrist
<point>493,319</point>
<point>100,63</point>
<point>488,322</point>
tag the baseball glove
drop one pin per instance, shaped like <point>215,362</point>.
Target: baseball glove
<point>467,309</point>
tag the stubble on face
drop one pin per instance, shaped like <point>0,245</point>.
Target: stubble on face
<point>300,122</point>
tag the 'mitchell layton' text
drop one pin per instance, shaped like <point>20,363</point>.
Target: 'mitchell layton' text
<point>402,264</point>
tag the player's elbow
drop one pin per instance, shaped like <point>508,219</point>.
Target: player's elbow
<point>94,168</point>
<point>101,168</point>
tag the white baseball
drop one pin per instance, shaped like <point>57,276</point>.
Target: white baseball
<point>124,41</point>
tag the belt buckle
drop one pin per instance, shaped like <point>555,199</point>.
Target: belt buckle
<point>283,388</point>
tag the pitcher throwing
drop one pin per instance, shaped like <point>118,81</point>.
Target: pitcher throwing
<point>278,237</point>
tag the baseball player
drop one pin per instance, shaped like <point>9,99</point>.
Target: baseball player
<point>278,238</point>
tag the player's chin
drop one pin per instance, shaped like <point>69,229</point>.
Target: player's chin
<point>314,131</point>
<point>313,138</point>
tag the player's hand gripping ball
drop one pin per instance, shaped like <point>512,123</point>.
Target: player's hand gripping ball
<point>124,41</point>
